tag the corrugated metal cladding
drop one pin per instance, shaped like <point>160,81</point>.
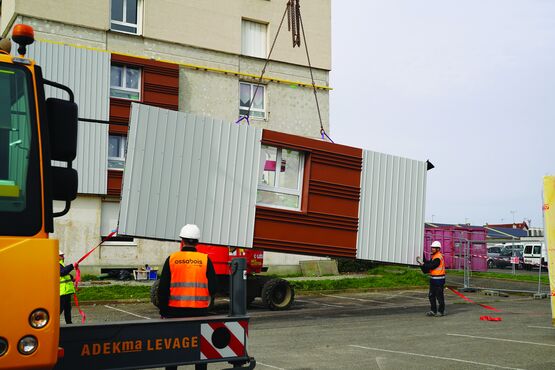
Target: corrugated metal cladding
<point>87,73</point>
<point>183,168</point>
<point>391,214</point>
<point>327,222</point>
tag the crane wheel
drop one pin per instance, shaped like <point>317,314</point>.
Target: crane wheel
<point>154,293</point>
<point>278,294</point>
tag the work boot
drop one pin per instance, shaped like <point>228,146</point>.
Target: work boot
<point>431,313</point>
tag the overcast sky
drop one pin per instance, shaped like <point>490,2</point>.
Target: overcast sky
<point>468,84</point>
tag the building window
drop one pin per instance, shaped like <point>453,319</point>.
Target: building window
<point>281,178</point>
<point>246,93</point>
<point>125,82</point>
<point>254,39</point>
<point>125,16</point>
<point>116,152</point>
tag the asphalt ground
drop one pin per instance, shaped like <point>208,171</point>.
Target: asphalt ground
<point>385,330</point>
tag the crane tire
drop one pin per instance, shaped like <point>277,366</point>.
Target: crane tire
<point>278,294</point>
<point>154,292</point>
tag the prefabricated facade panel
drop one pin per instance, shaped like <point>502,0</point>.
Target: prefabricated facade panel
<point>326,224</point>
<point>391,214</point>
<point>87,73</point>
<point>183,168</point>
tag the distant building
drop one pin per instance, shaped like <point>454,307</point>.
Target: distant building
<point>519,225</point>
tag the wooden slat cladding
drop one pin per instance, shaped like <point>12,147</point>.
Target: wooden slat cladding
<point>115,178</point>
<point>159,87</point>
<point>328,221</point>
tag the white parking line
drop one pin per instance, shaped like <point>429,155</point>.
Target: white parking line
<point>389,296</point>
<point>127,312</point>
<point>353,298</point>
<point>503,340</point>
<point>541,327</point>
<point>436,357</point>
<point>319,303</point>
<point>273,367</point>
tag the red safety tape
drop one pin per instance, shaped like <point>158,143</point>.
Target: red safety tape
<point>471,301</point>
<point>490,318</point>
<point>78,275</point>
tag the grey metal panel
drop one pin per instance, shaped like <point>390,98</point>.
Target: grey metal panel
<point>182,168</point>
<point>391,213</point>
<point>87,73</point>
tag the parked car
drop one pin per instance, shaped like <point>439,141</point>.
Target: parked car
<point>534,253</point>
<point>493,252</point>
<point>516,246</point>
<point>504,259</point>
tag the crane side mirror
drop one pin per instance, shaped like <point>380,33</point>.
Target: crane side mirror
<point>64,183</point>
<point>62,125</point>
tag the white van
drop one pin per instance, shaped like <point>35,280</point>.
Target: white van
<point>534,252</point>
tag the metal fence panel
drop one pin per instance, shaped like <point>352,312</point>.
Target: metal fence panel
<point>182,168</point>
<point>391,212</point>
<point>87,73</point>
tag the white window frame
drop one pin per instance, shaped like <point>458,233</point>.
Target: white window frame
<point>123,82</point>
<point>253,109</point>
<point>121,157</point>
<point>278,189</point>
<point>127,24</point>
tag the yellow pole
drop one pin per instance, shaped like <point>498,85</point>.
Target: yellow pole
<point>549,219</point>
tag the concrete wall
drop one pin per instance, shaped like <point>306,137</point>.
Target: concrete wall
<point>290,109</point>
<point>188,22</point>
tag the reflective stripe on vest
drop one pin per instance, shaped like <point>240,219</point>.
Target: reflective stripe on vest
<point>66,285</point>
<point>189,284</point>
<point>438,272</point>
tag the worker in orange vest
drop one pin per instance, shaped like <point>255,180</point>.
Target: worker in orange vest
<point>188,280</point>
<point>435,267</point>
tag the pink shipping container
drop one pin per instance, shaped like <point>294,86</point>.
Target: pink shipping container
<point>454,239</point>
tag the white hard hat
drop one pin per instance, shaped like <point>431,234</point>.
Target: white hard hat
<point>436,244</point>
<point>190,231</point>
<point>61,253</point>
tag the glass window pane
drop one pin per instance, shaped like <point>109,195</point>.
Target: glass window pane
<point>117,10</point>
<point>290,169</point>
<point>277,199</point>
<point>116,164</point>
<point>269,155</point>
<point>256,114</point>
<point>244,95</point>
<point>537,249</point>
<point>131,12</point>
<point>118,93</point>
<point>258,102</point>
<point>119,27</point>
<point>116,76</point>
<point>114,146</point>
<point>132,76</point>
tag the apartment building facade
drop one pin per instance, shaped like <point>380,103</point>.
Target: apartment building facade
<point>193,56</point>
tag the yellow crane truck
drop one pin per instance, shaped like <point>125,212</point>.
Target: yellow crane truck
<point>34,131</point>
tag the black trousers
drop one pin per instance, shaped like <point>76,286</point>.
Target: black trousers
<point>436,294</point>
<point>65,307</point>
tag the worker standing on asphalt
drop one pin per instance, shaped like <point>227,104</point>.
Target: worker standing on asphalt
<point>188,279</point>
<point>435,267</point>
<point>66,287</point>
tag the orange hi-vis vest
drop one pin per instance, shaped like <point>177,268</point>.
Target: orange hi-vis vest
<point>438,272</point>
<point>189,284</point>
